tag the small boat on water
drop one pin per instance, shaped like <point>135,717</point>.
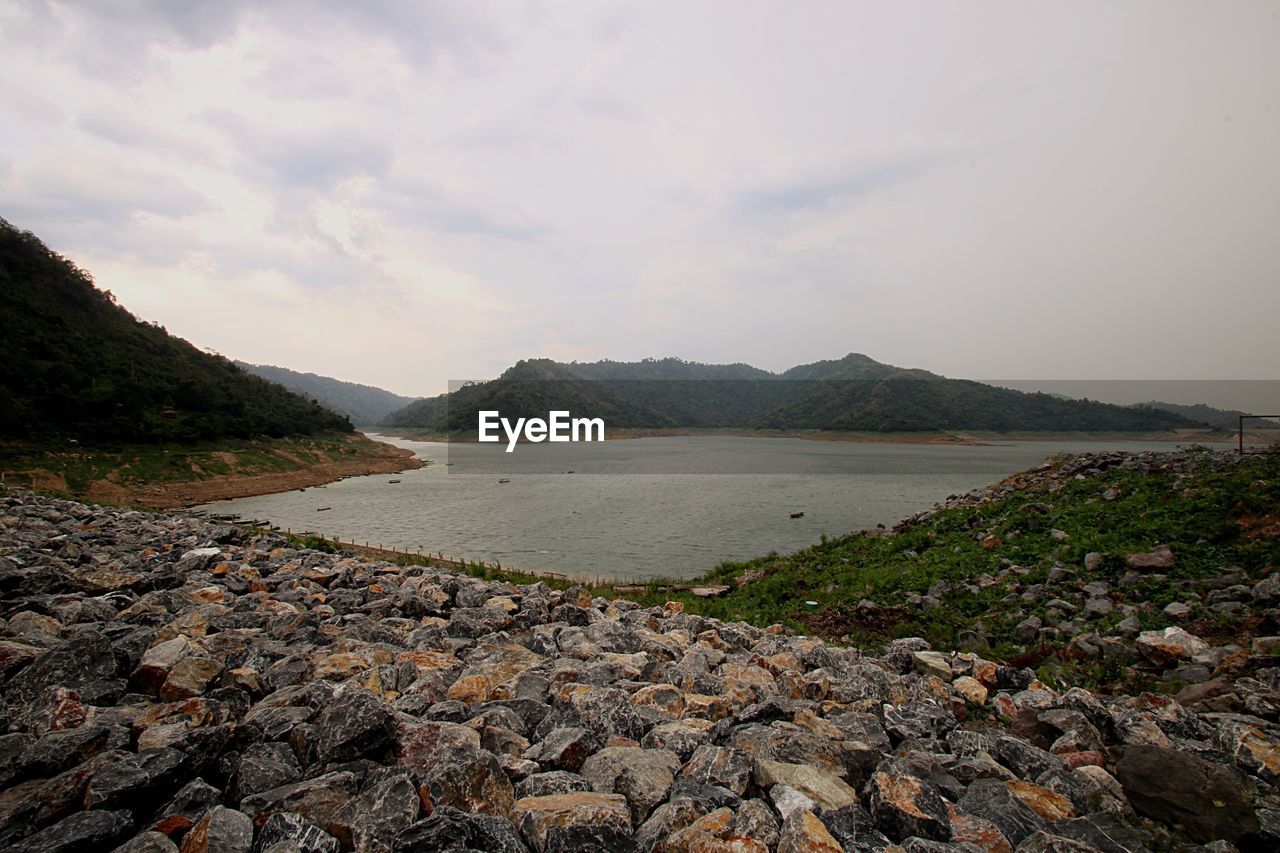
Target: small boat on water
<point>393,481</point>
<point>798,514</point>
<point>504,480</point>
<point>323,508</point>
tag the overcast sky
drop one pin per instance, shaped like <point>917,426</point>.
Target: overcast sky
<point>401,193</point>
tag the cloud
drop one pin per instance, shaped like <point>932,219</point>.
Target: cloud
<point>473,183</point>
<point>826,191</point>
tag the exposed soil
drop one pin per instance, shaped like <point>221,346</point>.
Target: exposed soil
<point>378,458</point>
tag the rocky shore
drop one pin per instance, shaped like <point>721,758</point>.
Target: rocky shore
<point>173,684</point>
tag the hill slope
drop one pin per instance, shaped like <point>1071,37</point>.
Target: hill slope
<point>73,363</point>
<point>1220,418</point>
<point>853,393</point>
<point>363,404</point>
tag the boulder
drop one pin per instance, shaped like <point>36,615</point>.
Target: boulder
<point>560,821</point>
<point>904,806</point>
<point>1205,801</point>
<point>993,801</point>
<point>1159,558</point>
<point>1171,644</point>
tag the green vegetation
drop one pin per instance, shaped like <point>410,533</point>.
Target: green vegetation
<point>363,404</point>
<point>75,365</point>
<point>1220,418</point>
<point>855,393</point>
<point>1213,518</point>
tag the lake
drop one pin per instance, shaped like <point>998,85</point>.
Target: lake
<point>633,510</point>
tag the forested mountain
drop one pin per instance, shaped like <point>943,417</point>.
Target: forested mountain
<point>528,389</point>
<point>363,404</point>
<point>854,393</point>
<point>1220,418</point>
<point>74,364</point>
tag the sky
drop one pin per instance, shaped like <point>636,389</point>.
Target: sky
<point>404,193</point>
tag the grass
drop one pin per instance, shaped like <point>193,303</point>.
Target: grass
<point>1208,518</point>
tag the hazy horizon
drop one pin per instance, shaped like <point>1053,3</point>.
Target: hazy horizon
<point>398,194</point>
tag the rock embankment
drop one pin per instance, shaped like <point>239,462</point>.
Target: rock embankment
<point>172,684</point>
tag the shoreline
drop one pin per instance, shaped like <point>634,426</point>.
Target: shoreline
<point>969,439</point>
<point>164,496</point>
<point>165,478</point>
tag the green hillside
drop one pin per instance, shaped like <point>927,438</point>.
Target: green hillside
<point>854,393</point>
<point>74,364</point>
<point>363,404</point>
<point>1220,418</point>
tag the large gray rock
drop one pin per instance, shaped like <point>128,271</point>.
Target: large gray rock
<point>991,800</point>
<point>643,776</point>
<point>1205,801</point>
<point>904,806</point>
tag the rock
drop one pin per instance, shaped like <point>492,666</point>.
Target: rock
<point>1026,630</point>
<point>563,748</point>
<point>375,818</point>
<point>993,801</point>
<point>221,830</point>
<point>1157,559</point>
<point>1093,561</point>
<point>827,790</point>
<point>754,819</point>
<point>1266,592</point>
<point>356,723</point>
<point>970,689</point>
<point>1171,644</point>
<point>671,817</point>
<point>981,833</point>
<point>88,830</point>
<point>295,833</point>
<point>932,663</point>
<point>722,766</point>
<point>854,829</point>
<point>553,782</point>
<point>904,806</point>
<point>1096,608</point>
<point>1104,832</point>
<point>133,776</point>
<point>470,780</point>
<point>1047,842</point>
<point>149,842</point>
<point>1049,805</point>
<point>1203,800</point>
<point>802,832</point>
<point>315,800</point>
<point>262,767</point>
<point>449,829</point>
<point>643,776</point>
<point>560,821</point>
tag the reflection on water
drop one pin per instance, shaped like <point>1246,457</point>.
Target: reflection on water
<point>628,510</point>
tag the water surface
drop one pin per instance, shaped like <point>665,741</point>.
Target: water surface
<point>630,512</point>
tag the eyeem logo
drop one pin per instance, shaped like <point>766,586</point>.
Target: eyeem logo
<point>557,427</point>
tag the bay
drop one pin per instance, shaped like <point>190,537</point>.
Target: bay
<point>631,510</point>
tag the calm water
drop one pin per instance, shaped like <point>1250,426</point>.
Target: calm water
<point>629,512</point>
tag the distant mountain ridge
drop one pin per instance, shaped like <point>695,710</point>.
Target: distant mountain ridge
<point>1220,418</point>
<point>365,405</point>
<point>74,364</point>
<point>853,393</point>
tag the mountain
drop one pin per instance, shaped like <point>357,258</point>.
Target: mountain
<point>1220,418</point>
<point>363,404</point>
<point>528,389</point>
<point>854,393</point>
<point>75,364</point>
